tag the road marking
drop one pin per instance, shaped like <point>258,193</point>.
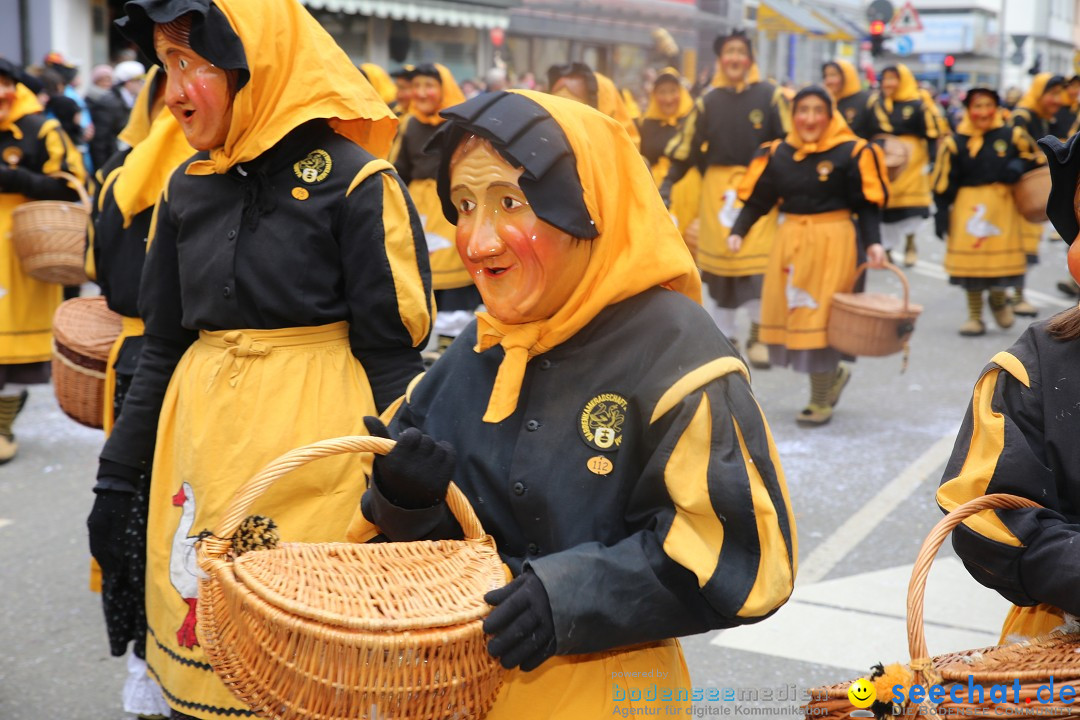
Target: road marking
<point>933,270</point>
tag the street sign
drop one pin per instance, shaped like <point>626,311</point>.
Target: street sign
<point>1019,41</point>
<point>880,10</point>
<point>906,20</point>
<point>903,45</point>
<point>1017,58</point>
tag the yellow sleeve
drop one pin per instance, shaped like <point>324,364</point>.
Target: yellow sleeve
<point>681,146</point>
<point>943,166</point>
<point>63,156</point>
<point>754,171</point>
<point>872,173</point>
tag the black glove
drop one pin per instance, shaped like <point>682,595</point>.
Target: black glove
<point>108,525</point>
<point>416,473</point>
<point>665,193</point>
<point>941,223</point>
<point>35,185</point>
<point>521,623</point>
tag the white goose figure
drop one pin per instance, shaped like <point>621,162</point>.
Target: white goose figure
<point>978,227</point>
<point>729,213</point>
<point>183,570</point>
<point>797,297</point>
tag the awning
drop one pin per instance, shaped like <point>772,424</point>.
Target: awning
<point>837,31</point>
<point>775,16</point>
<point>432,12</point>
<point>659,13</point>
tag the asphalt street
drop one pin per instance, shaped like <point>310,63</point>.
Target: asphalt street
<point>862,488</point>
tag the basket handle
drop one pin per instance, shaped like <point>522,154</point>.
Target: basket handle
<point>78,187</point>
<point>888,266</point>
<point>917,586</point>
<point>242,501</point>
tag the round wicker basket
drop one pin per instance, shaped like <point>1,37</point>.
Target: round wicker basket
<point>1031,193</point>
<point>84,330</point>
<point>872,324</point>
<point>50,236</point>
<point>343,631</point>
<point>897,154</point>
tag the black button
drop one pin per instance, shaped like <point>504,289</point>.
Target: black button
<point>519,488</point>
<point>545,364</point>
<point>532,425</point>
<point>227,292</point>
<point>232,234</point>
<point>534,548</point>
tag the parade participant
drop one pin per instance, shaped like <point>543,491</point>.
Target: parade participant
<point>128,186</point>
<point>1016,438</point>
<point>403,82</point>
<point>1063,126</point>
<point>31,147</point>
<point>841,79</point>
<point>902,110</point>
<point>382,82</point>
<point>1034,113</point>
<point>434,90</point>
<point>975,171</point>
<point>578,81</point>
<point>669,105</point>
<point>285,287</point>
<point>722,132</point>
<point>827,180</point>
<point>593,362</point>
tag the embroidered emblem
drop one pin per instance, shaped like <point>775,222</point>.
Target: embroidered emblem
<point>849,114</point>
<point>824,169</point>
<point>315,167</point>
<point>907,112</point>
<point>756,118</point>
<point>300,193</point>
<point>12,155</point>
<point>1000,146</point>
<point>602,421</point>
<point>599,465</point>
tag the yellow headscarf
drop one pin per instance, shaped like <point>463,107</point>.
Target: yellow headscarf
<point>298,73</point>
<point>451,96</point>
<point>381,81</point>
<point>836,133</point>
<point>610,102</point>
<point>1030,101</point>
<point>852,84</point>
<point>686,103</point>
<point>26,103</point>
<point>159,146</point>
<point>720,80</point>
<point>638,246</point>
<point>975,135</point>
<point>906,90</point>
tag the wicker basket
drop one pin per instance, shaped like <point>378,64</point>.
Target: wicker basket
<point>1031,193</point>
<point>343,631</point>
<point>50,236</point>
<point>897,154</point>
<point>872,324</point>
<point>84,330</point>
<point>1032,663</point>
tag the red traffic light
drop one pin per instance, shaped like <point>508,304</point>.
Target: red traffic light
<point>949,61</point>
<point>877,27</point>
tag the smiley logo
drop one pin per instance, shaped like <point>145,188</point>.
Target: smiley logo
<point>861,693</point>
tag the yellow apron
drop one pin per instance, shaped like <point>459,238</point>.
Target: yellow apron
<point>236,401</point>
<point>912,188</point>
<point>600,685</point>
<point>447,270</point>
<point>1031,234</point>
<point>984,234</point>
<point>719,209</point>
<point>132,327</point>
<point>685,194</point>
<point>26,305</point>
<point>814,258</point>
<point>1031,621</point>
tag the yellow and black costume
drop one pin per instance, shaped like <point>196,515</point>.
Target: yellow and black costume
<point>285,292</point>
<point>1016,438</point>
<point>602,95</point>
<point>1065,122</point>
<point>31,147</point>
<point>913,119</point>
<point>1029,115</point>
<point>721,133</point>
<point>455,295</point>
<point>657,131</point>
<point>691,518</point>
<point>973,180</point>
<point>825,188</point>
<point>854,103</point>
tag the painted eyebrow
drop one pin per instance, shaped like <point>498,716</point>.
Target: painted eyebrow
<point>500,183</point>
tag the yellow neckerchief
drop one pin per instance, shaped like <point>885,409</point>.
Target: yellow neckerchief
<point>975,135</point>
<point>836,133</point>
<point>138,125</point>
<point>150,164</point>
<point>1030,101</point>
<point>381,81</point>
<point>451,96</point>
<point>720,80</point>
<point>298,73</point>
<point>632,107</point>
<point>26,103</point>
<point>852,84</point>
<point>906,90</point>
<point>686,103</point>
<point>638,247</point>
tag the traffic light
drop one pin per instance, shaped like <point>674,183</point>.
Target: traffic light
<point>877,37</point>
<point>949,61</point>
